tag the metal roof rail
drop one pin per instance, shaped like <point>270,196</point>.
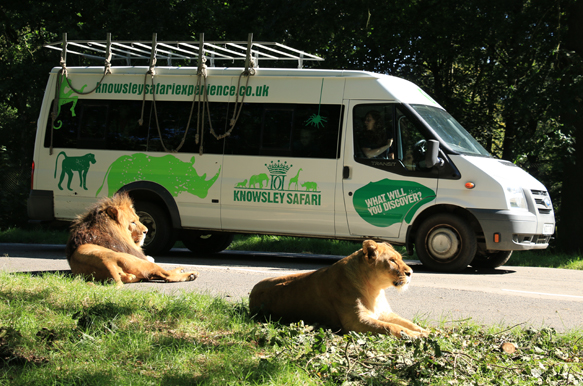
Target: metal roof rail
<point>214,51</point>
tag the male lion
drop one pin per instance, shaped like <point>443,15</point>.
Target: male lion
<point>349,295</point>
<point>105,243</point>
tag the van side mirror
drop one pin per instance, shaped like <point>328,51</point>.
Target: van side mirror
<point>432,154</point>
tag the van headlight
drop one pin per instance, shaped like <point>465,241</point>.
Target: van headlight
<point>516,198</point>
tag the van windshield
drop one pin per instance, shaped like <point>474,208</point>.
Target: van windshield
<point>450,131</point>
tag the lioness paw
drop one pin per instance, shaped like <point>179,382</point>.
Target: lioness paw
<point>404,334</point>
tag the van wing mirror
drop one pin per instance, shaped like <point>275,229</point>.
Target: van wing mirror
<point>432,154</point>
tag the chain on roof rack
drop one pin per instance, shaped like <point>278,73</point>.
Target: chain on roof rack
<point>213,51</point>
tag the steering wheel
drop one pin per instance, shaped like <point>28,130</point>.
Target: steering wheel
<point>419,153</point>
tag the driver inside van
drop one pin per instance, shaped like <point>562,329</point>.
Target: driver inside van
<point>373,139</point>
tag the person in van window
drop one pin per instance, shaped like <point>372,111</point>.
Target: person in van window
<point>306,145</point>
<point>373,139</point>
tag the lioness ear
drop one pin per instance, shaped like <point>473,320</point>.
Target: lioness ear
<point>370,250</point>
<point>112,212</point>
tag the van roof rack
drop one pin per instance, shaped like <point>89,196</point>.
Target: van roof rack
<point>213,51</point>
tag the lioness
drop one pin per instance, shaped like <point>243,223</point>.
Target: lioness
<point>349,295</point>
<point>105,243</point>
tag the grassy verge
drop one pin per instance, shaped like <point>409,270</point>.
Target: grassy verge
<point>35,235</point>
<point>58,330</point>
<point>265,243</point>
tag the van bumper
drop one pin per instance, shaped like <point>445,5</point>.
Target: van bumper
<point>40,205</point>
<point>517,230</point>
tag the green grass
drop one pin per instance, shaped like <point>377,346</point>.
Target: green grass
<point>35,235</point>
<point>547,258</point>
<point>59,330</point>
<point>266,243</point>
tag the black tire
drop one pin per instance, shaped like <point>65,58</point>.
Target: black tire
<point>491,260</point>
<point>204,243</point>
<point>445,243</point>
<point>160,238</point>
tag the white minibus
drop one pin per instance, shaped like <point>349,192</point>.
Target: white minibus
<point>209,152</point>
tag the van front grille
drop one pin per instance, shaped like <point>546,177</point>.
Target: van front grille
<point>542,201</point>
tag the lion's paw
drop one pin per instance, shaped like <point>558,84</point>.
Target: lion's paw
<point>192,272</point>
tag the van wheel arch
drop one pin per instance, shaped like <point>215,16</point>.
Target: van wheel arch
<point>471,224</point>
<point>157,194</point>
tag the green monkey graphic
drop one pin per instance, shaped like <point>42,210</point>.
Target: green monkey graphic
<point>69,165</point>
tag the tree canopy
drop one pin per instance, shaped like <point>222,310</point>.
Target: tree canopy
<point>510,71</point>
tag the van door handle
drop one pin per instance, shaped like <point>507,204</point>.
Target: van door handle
<point>346,172</point>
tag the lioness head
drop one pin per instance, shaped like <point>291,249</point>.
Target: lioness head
<point>387,265</point>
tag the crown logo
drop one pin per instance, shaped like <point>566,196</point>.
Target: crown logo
<point>278,168</point>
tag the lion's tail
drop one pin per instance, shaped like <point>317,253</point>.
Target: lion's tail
<point>104,178</point>
<point>57,161</point>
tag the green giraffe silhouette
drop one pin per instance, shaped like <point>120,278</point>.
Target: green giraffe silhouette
<point>294,180</point>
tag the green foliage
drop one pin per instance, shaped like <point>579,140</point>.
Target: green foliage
<point>551,258</point>
<point>56,329</point>
<point>34,235</point>
<point>510,72</point>
<point>465,354</point>
<point>268,243</point>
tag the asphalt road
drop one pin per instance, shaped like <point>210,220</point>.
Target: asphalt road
<point>506,296</point>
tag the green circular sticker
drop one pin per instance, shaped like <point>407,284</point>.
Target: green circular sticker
<point>387,202</point>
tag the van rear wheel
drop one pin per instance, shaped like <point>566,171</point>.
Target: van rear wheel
<point>160,237</point>
<point>205,243</point>
<point>445,243</point>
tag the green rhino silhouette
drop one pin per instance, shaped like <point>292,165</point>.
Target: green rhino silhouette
<point>175,175</point>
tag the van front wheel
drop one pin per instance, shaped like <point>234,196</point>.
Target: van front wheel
<point>205,243</point>
<point>445,243</point>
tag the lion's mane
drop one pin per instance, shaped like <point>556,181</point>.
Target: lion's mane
<point>106,223</point>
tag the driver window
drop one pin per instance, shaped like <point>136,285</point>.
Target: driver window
<point>373,131</point>
<point>411,143</point>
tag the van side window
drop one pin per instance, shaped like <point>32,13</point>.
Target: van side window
<point>277,128</point>
<point>93,126</point>
<point>219,117</point>
<point>245,138</point>
<point>373,131</point>
<point>113,125</point>
<point>290,130</point>
<point>124,132</point>
<point>410,143</point>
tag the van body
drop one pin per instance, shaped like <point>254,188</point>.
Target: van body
<point>300,160</point>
